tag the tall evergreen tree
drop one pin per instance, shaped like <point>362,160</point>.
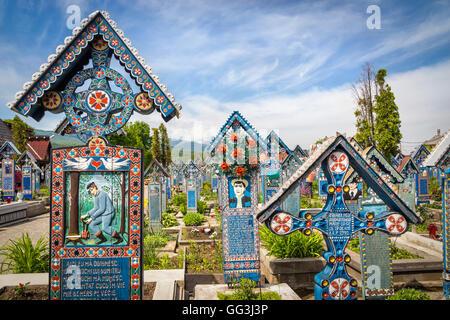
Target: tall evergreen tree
<point>377,116</point>
<point>165,146</point>
<point>156,145</point>
<point>387,118</point>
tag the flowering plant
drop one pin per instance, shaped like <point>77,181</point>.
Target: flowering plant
<point>239,154</point>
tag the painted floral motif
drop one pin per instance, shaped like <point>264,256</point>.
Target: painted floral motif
<point>100,44</point>
<point>98,100</point>
<point>97,130</point>
<point>160,99</point>
<point>51,100</point>
<point>143,102</point>
<point>99,73</point>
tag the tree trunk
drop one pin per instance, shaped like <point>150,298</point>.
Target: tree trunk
<point>74,230</point>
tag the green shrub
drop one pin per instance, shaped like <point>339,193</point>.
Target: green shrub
<point>245,291</point>
<point>183,208</point>
<point>397,253</point>
<point>433,205</point>
<point>306,202</point>
<point>179,199</point>
<point>156,239</point>
<point>435,189</point>
<point>201,207</point>
<point>171,209</point>
<point>22,257</point>
<point>409,294</point>
<point>294,245</point>
<point>168,220</point>
<point>193,219</point>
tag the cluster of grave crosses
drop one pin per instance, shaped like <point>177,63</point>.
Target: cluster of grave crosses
<point>239,164</point>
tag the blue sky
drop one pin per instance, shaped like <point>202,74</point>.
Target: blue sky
<point>285,65</point>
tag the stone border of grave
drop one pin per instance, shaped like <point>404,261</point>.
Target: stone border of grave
<point>169,283</point>
<point>171,246</point>
<point>191,280</point>
<point>12,213</point>
<point>427,271</point>
<point>186,242</point>
<point>20,211</point>
<point>298,273</point>
<point>209,291</point>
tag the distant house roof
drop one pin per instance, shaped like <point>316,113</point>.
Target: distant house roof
<point>435,139</point>
<point>440,154</point>
<point>5,133</point>
<point>39,147</point>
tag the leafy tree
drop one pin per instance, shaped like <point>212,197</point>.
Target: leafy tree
<point>387,119</point>
<point>377,116</point>
<point>364,91</point>
<point>137,136</point>
<point>21,132</point>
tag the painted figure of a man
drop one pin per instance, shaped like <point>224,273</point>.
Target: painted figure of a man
<point>102,214</point>
<point>240,200</point>
<point>354,193</point>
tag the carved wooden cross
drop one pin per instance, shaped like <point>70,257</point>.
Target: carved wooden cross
<point>338,225</point>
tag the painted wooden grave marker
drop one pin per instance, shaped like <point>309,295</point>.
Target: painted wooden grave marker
<point>96,189</point>
<point>192,176</point>
<point>236,149</point>
<point>7,150</point>
<point>155,176</point>
<point>440,158</point>
<point>336,222</point>
<point>375,250</point>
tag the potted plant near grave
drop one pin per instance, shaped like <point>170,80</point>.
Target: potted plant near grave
<point>293,259</point>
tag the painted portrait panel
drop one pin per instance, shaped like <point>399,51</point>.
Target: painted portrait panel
<point>239,193</point>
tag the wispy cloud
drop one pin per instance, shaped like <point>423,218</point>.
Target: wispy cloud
<point>285,65</point>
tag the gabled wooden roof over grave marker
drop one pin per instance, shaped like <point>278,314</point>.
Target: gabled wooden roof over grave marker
<point>234,120</point>
<point>300,152</point>
<point>289,153</point>
<point>407,164</point>
<point>374,156</point>
<point>28,158</point>
<point>357,162</point>
<point>8,147</point>
<point>51,87</point>
<point>192,167</point>
<point>419,154</point>
<point>156,167</point>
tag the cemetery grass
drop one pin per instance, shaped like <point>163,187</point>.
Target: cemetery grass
<point>204,258</point>
<point>40,292</point>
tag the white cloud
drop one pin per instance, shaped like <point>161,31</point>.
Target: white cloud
<point>422,96</point>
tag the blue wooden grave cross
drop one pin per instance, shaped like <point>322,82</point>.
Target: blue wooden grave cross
<point>336,221</point>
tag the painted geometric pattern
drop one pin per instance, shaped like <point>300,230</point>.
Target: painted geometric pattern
<point>59,251</point>
<point>99,26</point>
